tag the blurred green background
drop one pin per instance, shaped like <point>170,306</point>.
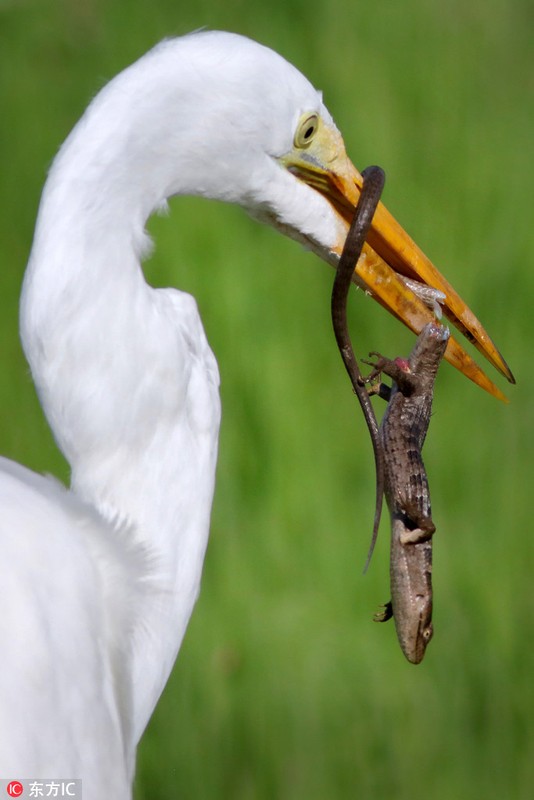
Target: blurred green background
<point>284,687</point>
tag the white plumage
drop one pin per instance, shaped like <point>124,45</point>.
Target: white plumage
<point>98,582</point>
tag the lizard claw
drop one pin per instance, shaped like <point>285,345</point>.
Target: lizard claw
<point>383,616</point>
<point>376,387</point>
<point>378,365</point>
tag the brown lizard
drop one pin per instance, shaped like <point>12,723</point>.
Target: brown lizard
<point>402,434</point>
<point>397,445</point>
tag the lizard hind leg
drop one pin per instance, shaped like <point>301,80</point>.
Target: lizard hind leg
<point>416,536</point>
<point>417,524</point>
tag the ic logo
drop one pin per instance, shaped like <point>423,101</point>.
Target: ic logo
<point>15,789</point>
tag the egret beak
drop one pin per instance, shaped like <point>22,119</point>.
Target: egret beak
<point>390,255</point>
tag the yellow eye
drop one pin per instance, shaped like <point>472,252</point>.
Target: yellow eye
<point>307,128</point>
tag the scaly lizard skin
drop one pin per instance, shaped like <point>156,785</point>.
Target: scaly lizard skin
<point>402,435</point>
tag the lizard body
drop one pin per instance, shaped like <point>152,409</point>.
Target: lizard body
<point>402,435</point>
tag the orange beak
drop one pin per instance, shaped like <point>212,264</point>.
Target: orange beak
<point>390,255</point>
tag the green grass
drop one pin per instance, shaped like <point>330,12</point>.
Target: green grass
<point>284,688</point>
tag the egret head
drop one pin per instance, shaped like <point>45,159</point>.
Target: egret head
<point>275,150</point>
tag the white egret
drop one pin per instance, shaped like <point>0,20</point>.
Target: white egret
<point>99,581</point>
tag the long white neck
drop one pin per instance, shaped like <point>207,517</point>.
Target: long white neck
<point>128,384</point>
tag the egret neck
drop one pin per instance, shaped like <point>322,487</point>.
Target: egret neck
<point>128,383</point>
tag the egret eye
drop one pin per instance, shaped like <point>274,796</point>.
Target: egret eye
<point>307,128</point>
